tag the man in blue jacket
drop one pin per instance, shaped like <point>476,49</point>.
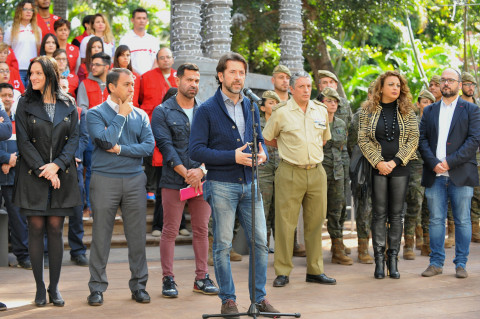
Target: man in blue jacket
<point>5,133</point>
<point>220,137</point>
<point>121,136</point>
<point>449,139</point>
<point>8,160</point>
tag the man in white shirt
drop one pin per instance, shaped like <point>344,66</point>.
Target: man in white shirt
<point>143,46</point>
<point>449,139</point>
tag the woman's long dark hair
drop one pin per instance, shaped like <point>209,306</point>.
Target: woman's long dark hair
<point>118,52</point>
<point>52,81</point>
<point>45,38</point>
<point>88,53</point>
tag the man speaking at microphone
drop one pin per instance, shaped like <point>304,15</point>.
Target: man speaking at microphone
<point>220,136</point>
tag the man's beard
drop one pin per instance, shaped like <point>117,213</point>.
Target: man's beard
<point>449,94</point>
<point>231,90</point>
<point>466,94</point>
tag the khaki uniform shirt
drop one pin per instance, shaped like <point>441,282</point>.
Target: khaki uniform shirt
<point>299,135</point>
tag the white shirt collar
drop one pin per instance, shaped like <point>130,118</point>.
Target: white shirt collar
<point>113,105</point>
<point>453,104</point>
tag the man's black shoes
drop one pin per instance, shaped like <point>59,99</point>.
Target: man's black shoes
<point>321,279</point>
<point>141,296</point>
<point>95,298</point>
<point>280,281</point>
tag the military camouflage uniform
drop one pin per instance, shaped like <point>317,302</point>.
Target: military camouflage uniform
<point>475,209</point>
<point>266,175</point>
<point>334,151</point>
<point>363,215</point>
<point>415,195</point>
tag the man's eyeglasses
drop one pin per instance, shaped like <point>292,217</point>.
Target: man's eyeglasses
<point>168,57</point>
<point>5,71</point>
<point>469,84</point>
<point>98,64</point>
<point>448,81</point>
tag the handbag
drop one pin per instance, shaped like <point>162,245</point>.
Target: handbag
<point>360,172</point>
<point>189,192</point>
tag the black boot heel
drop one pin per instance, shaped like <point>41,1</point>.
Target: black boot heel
<point>392,265</point>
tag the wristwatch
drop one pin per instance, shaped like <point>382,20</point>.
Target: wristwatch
<point>204,170</point>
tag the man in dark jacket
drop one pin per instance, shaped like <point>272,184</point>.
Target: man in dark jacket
<point>5,133</point>
<point>449,138</point>
<point>221,131</point>
<point>171,127</point>
<point>8,160</point>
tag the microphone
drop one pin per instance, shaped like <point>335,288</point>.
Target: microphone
<point>252,96</point>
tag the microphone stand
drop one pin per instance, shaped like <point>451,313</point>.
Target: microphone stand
<point>256,196</point>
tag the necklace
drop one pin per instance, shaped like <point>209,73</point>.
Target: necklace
<point>390,136</point>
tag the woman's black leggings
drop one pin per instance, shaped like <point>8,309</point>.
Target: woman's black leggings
<point>36,229</point>
<point>388,198</point>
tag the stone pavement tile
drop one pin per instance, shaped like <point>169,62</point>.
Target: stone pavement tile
<point>357,294</point>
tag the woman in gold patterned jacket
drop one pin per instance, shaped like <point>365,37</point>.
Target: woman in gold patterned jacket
<point>388,137</point>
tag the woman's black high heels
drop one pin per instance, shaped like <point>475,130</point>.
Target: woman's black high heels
<point>56,299</point>
<point>40,298</point>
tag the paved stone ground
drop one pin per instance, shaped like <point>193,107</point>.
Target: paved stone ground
<point>357,294</point>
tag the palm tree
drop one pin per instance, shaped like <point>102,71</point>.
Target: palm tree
<point>291,36</point>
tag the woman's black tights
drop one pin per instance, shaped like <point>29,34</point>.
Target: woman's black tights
<point>388,197</point>
<point>53,225</point>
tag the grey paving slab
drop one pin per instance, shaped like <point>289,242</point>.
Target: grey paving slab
<point>357,294</point>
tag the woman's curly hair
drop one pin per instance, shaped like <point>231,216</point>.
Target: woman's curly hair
<point>404,100</point>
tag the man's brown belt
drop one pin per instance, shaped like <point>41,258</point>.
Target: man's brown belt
<point>308,166</point>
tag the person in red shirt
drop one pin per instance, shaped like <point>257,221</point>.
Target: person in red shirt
<point>62,29</point>
<point>14,78</point>
<point>88,30</point>
<point>155,83</point>
<point>153,86</point>
<point>122,59</point>
<point>45,19</point>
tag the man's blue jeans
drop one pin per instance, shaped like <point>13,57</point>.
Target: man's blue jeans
<point>226,200</point>
<point>460,197</point>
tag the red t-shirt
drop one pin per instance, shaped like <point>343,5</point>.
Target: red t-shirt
<point>47,26</point>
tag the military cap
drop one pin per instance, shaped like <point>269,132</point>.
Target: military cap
<point>281,69</point>
<point>327,74</point>
<point>329,92</point>
<point>271,95</point>
<point>436,79</point>
<point>467,77</point>
<point>425,94</point>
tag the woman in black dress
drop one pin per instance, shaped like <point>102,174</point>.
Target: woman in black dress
<point>46,186</point>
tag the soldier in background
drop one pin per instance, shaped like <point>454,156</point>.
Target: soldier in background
<point>416,193</point>
<point>434,87</point>
<point>363,213</point>
<point>333,165</point>
<point>344,112</point>
<point>266,172</point>
<point>469,85</point>
<point>280,80</point>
